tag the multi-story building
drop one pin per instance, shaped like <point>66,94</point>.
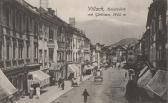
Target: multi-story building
<point>62,47</point>
<point>35,40</point>
<point>19,41</point>
<point>145,44</point>
<point>156,25</point>
<point>154,45</point>
<point>96,54</point>
<point>48,47</point>
<point>87,51</point>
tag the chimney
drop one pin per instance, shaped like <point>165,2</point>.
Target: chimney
<point>51,12</point>
<point>72,21</point>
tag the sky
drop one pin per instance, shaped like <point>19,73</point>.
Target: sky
<point>136,10</point>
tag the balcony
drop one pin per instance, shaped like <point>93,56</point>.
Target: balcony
<point>20,61</point>
<point>51,43</point>
<point>8,63</point>
<point>14,62</point>
<point>1,64</point>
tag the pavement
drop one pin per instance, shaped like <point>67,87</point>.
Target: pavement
<point>50,93</point>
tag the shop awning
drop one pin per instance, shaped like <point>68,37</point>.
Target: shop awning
<point>72,68</point>
<point>158,84</point>
<point>6,87</point>
<point>95,64</point>
<point>87,67</point>
<point>144,79</point>
<point>40,76</point>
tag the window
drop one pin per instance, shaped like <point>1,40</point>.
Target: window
<point>59,56</point>
<point>51,54</point>
<point>20,51</point>
<point>7,52</point>
<point>40,55</point>
<point>51,34</point>
<point>0,51</point>
<point>27,50</point>
<point>45,55</point>
<point>7,16</point>
<point>14,48</point>
<point>160,23</point>
<point>76,56</point>
<point>14,52</point>
<point>35,50</point>
<point>18,21</point>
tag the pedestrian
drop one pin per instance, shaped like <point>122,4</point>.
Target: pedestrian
<point>62,85</point>
<point>38,90</point>
<point>31,92</point>
<point>59,82</point>
<point>85,95</point>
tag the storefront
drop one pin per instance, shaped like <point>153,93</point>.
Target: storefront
<point>18,77</point>
<point>6,88</point>
<point>87,69</point>
<point>38,77</point>
<point>73,71</point>
<point>54,76</point>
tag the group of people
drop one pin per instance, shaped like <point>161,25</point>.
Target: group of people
<point>61,83</point>
<point>116,64</point>
<point>35,90</point>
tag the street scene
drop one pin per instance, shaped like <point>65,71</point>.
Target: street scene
<point>83,51</point>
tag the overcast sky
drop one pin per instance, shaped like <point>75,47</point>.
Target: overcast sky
<point>136,10</point>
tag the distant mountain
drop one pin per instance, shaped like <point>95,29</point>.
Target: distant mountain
<point>109,32</point>
<point>125,42</point>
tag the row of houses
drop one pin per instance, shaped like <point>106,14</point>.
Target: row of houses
<point>149,54</point>
<point>153,47</point>
<point>33,39</point>
<point>154,39</point>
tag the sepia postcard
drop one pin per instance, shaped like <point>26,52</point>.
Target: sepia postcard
<point>83,51</point>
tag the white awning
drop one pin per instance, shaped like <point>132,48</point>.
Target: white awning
<point>40,76</point>
<point>158,84</point>
<point>95,64</point>
<point>6,87</point>
<point>73,68</point>
<point>143,80</point>
<point>88,67</point>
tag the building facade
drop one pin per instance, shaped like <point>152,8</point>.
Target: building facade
<point>36,39</point>
<point>156,29</point>
<point>19,41</point>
